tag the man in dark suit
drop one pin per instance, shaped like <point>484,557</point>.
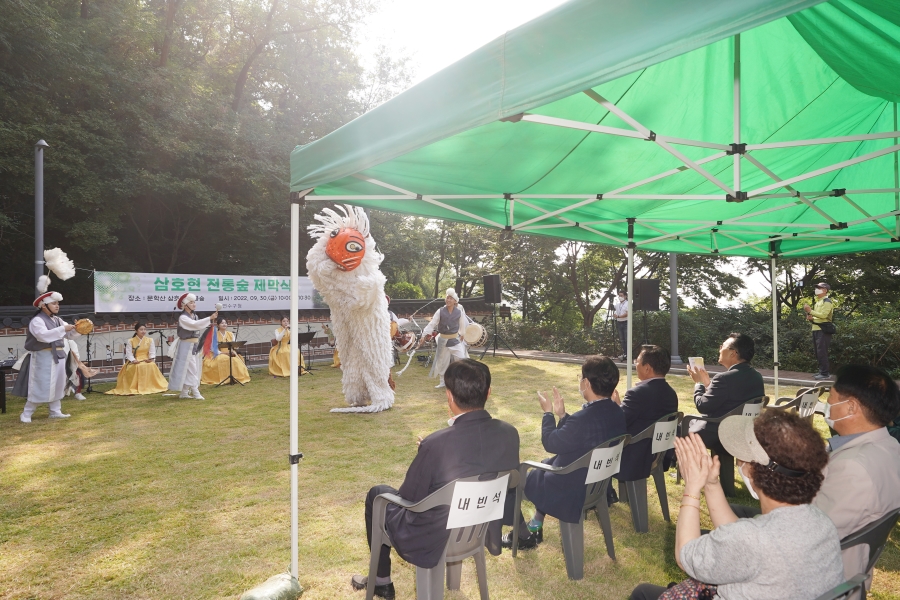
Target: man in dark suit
<point>474,444</point>
<point>600,419</point>
<point>644,404</point>
<point>727,390</point>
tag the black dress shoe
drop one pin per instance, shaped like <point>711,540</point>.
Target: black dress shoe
<point>386,591</point>
<point>534,538</point>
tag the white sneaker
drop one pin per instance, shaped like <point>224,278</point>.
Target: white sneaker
<point>196,393</point>
<point>24,419</point>
<point>440,385</point>
<point>59,416</point>
<point>80,397</point>
<point>185,392</point>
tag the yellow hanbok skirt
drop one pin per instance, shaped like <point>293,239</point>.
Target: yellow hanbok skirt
<point>141,378</point>
<point>215,370</point>
<point>280,359</point>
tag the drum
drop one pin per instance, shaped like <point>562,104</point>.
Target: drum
<point>405,340</point>
<point>84,326</point>
<point>475,335</point>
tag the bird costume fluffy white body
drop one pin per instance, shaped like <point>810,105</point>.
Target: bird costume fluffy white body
<point>354,291</point>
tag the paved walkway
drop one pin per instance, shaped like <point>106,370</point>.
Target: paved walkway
<point>784,377</point>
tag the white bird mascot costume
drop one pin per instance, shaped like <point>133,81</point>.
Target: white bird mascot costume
<point>343,267</point>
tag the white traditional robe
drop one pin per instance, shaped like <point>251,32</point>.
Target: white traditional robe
<point>46,377</point>
<point>187,365</point>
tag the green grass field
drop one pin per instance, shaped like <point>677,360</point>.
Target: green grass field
<point>156,497</point>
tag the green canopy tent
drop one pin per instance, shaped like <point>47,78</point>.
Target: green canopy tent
<point>756,128</point>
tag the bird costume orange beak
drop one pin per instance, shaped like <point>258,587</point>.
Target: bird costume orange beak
<point>346,248</point>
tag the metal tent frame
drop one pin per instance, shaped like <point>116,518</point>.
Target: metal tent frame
<point>563,214</point>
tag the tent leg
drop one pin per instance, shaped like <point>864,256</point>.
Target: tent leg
<point>896,179</point>
<point>737,111</point>
<point>295,302</point>
<point>773,275</point>
<point>630,346</point>
<point>673,306</point>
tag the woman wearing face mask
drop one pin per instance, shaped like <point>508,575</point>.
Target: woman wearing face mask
<point>792,550</point>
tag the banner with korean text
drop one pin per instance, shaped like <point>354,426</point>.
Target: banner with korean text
<point>158,292</point>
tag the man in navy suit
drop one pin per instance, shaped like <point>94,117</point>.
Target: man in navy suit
<point>600,419</point>
<point>473,444</point>
<point>644,404</point>
<point>727,390</point>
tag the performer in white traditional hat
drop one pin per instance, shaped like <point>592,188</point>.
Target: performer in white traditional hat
<point>450,322</point>
<point>185,352</point>
<point>45,367</point>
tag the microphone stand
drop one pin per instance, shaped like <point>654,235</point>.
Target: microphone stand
<point>90,388</point>
<point>162,357</point>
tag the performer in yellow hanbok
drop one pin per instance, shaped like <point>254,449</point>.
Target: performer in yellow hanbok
<point>215,369</point>
<point>280,354</point>
<point>139,374</point>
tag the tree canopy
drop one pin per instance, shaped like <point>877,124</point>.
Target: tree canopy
<point>170,123</point>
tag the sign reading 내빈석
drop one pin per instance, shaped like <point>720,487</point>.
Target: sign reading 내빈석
<point>158,292</point>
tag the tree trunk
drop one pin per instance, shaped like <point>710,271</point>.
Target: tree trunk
<point>440,267</point>
<point>84,9</point>
<point>245,70</point>
<point>171,9</point>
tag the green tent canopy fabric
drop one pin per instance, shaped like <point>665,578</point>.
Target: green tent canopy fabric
<point>613,122</point>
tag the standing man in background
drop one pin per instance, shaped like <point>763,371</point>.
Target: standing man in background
<point>621,308</point>
<point>821,315</point>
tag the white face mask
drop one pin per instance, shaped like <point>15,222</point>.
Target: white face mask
<point>827,414</point>
<point>820,292</point>
<point>748,484</point>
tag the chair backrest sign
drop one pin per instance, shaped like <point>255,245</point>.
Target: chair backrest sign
<point>476,502</point>
<point>751,410</point>
<point>808,404</point>
<point>605,463</point>
<point>664,436</point>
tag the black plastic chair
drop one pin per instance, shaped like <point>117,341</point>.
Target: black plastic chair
<point>726,473</point>
<point>463,543</point>
<point>874,535</point>
<point>635,492</point>
<point>572,534</point>
<point>846,590</point>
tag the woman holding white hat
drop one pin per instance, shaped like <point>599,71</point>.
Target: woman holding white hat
<point>791,550</point>
<point>449,323</point>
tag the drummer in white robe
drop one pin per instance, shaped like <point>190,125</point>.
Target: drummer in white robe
<point>448,325</point>
<point>186,357</point>
<point>45,366</point>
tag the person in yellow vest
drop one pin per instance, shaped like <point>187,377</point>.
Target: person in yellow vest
<point>821,313</point>
<point>280,354</point>
<point>215,368</point>
<point>139,374</point>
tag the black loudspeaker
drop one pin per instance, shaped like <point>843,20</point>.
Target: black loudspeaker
<point>492,289</point>
<point>646,294</point>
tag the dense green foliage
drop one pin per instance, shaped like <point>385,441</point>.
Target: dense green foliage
<point>170,124</point>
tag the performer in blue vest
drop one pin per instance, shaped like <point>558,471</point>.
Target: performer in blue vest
<point>45,368</point>
<point>449,323</point>
<point>185,352</point>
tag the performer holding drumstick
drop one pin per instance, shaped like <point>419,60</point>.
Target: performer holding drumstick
<point>449,321</point>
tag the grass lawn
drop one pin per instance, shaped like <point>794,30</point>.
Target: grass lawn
<point>156,497</point>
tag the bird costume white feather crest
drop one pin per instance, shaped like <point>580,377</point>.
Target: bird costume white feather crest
<point>61,265</point>
<point>343,265</point>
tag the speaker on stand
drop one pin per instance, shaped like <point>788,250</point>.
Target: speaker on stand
<point>493,295</point>
<point>646,297</point>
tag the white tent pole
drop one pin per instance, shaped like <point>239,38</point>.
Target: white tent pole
<point>896,179</point>
<point>295,380</point>
<point>630,345</point>
<point>737,110</point>
<point>773,274</point>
